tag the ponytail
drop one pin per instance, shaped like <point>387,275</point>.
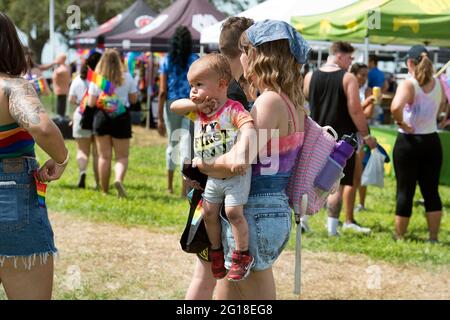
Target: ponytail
<point>424,70</point>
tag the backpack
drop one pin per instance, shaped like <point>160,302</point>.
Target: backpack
<point>318,144</point>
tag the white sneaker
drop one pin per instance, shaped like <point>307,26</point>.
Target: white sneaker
<point>360,208</point>
<point>355,227</point>
<point>304,225</point>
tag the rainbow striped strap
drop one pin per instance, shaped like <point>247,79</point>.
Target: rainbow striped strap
<point>83,102</point>
<point>41,190</point>
<point>105,85</point>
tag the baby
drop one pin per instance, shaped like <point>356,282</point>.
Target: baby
<point>217,121</point>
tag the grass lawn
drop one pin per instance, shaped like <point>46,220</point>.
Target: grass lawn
<point>149,205</point>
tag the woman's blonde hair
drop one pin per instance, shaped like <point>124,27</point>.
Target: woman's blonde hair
<point>110,66</point>
<point>274,67</point>
<point>424,70</point>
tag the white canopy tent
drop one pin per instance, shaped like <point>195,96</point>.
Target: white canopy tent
<point>277,10</point>
<point>284,9</point>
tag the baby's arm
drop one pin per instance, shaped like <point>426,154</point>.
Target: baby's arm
<point>183,106</point>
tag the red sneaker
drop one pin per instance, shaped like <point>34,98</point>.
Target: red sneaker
<point>217,263</point>
<point>240,266</point>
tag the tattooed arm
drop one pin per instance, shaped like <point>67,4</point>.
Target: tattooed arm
<point>26,109</point>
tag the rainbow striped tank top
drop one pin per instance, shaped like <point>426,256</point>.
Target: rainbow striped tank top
<point>15,142</point>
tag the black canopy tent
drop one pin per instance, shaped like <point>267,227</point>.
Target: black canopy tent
<point>194,14</point>
<point>136,16</point>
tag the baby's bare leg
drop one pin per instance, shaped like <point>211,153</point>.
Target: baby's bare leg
<point>211,218</point>
<point>239,226</point>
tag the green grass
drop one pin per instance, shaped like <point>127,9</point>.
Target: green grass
<point>149,205</point>
<point>379,244</point>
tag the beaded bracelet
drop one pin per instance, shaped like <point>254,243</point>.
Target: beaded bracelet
<point>64,162</point>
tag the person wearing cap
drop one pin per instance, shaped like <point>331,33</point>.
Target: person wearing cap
<point>333,95</point>
<point>273,53</point>
<point>417,151</point>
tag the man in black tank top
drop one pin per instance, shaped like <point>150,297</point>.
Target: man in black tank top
<point>333,98</point>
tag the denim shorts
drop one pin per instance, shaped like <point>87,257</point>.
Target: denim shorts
<point>25,230</point>
<point>269,226</point>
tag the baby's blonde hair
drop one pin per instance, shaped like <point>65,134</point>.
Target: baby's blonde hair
<point>217,64</point>
<point>274,67</point>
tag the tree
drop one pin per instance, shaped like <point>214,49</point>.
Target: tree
<point>35,21</point>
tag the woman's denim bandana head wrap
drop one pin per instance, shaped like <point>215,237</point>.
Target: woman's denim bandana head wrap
<point>272,30</point>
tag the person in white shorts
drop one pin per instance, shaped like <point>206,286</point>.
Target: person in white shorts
<point>83,137</point>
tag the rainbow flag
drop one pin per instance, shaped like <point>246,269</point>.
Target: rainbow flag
<point>197,213</point>
<point>39,85</point>
<point>106,86</point>
<point>83,102</point>
<point>108,100</point>
<point>41,190</point>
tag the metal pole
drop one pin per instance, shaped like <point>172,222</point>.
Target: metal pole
<point>299,212</point>
<point>52,27</point>
<point>298,259</point>
<point>149,91</point>
<point>202,50</point>
<point>319,58</point>
<point>435,59</point>
<point>366,50</point>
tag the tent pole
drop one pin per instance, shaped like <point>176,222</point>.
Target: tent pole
<point>149,91</point>
<point>52,29</point>
<point>366,50</point>
<point>202,50</point>
<point>319,58</point>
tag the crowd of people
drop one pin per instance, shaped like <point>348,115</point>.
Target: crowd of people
<point>215,104</point>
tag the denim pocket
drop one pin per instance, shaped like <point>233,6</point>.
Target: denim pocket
<point>272,232</point>
<point>14,205</point>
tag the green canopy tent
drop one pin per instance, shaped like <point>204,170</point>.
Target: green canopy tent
<point>405,22</point>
